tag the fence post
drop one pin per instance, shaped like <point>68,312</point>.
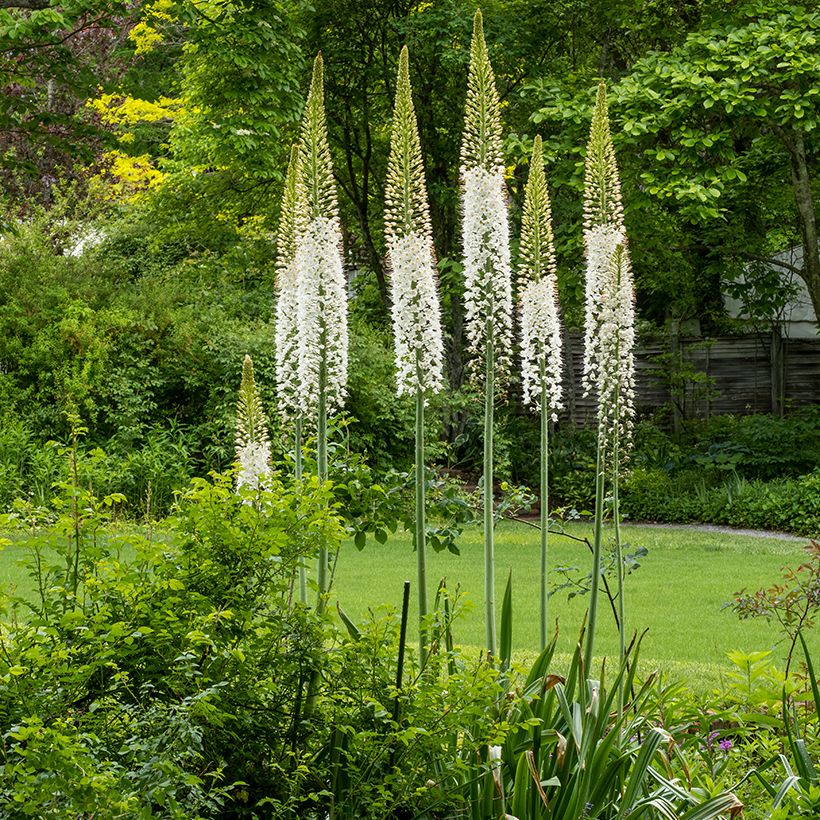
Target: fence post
<point>675,360</point>
<point>777,369</point>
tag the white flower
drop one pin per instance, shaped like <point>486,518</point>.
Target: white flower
<point>287,341</point>
<point>616,329</point>
<point>254,464</point>
<point>415,304</point>
<point>600,243</point>
<point>609,307</point>
<point>321,315</point>
<point>538,293</point>
<point>291,226</point>
<point>487,273</point>
<point>541,344</point>
<point>416,319</point>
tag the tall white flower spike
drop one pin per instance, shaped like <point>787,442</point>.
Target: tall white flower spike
<point>541,361</point>
<point>416,312</point>
<point>609,338</point>
<point>321,286</point>
<point>609,335</point>
<point>540,338</point>
<point>487,274</point>
<point>485,222</point>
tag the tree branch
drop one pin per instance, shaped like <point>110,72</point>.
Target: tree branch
<point>754,257</point>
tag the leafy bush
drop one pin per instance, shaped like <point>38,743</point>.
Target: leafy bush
<point>790,504</point>
<point>758,446</point>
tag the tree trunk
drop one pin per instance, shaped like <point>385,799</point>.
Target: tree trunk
<point>806,217</point>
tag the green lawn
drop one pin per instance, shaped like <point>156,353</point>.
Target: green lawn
<point>678,592</point>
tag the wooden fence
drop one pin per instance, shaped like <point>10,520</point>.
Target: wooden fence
<point>700,377</point>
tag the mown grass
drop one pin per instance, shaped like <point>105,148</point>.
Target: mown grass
<point>678,593</point>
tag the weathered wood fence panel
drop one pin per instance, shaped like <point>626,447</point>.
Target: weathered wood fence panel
<point>752,373</point>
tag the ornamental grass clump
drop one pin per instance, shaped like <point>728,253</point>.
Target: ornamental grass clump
<point>540,335</point>
<point>487,273</point>
<point>609,337</point>
<point>252,439</point>
<point>293,216</point>
<point>419,346</point>
<point>321,288</point>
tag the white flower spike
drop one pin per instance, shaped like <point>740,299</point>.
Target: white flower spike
<point>321,286</point>
<point>540,326</point>
<point>416,313</point>
<point>252,440</point>
<point>485,222</point>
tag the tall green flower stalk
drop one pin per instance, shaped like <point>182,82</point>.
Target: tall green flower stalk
<point>321,289</point>
<point>609,365</point>
<point>540,337</point>
<point>252,438</point>
<point>487,275</point>
<point>292,220</point>
<point>416,312</point>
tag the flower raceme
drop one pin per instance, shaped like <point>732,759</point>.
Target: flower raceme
<point>416,313</point>
<point>609,322</point>
<point>321,286</point>
<point>485,222</point>
<point>252,441</point>
<point>538,294</point>
<point>321,294</point>
<point>487,270</point>
<point>541,343</point>
<point>616,365</point>
<point>416,319</point>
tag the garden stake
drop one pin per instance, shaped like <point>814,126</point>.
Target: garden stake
<point>405,605</point>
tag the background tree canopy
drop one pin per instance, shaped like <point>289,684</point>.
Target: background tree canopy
<point>158,132</point>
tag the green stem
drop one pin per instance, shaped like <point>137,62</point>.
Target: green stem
<point>421,526</point>
<point>297,465</point>
<point>596,558</point>
<point>321,461</point>
<point>489,516</point>
<point>544,506</point>
<point>619,562</point>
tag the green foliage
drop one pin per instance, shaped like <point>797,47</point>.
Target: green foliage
<point>789,504</point>
<point>145,660</point>
<point>241,72</point>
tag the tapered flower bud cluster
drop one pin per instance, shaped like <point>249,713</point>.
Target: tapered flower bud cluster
<point>538,293</point>
<point>291,226</point>
<point>609,333</point>
<point>321,286</point>
<point>416,313</point>
<point>485,223</point>
<point>252,440</point>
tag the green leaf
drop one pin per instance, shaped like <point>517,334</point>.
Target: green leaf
<point>506,625</point>
<point>360,539</point>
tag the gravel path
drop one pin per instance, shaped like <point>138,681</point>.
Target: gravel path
<point>780,536</point>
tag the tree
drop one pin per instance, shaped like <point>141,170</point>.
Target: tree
<point>738,99</point>
<point>54,57</point>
